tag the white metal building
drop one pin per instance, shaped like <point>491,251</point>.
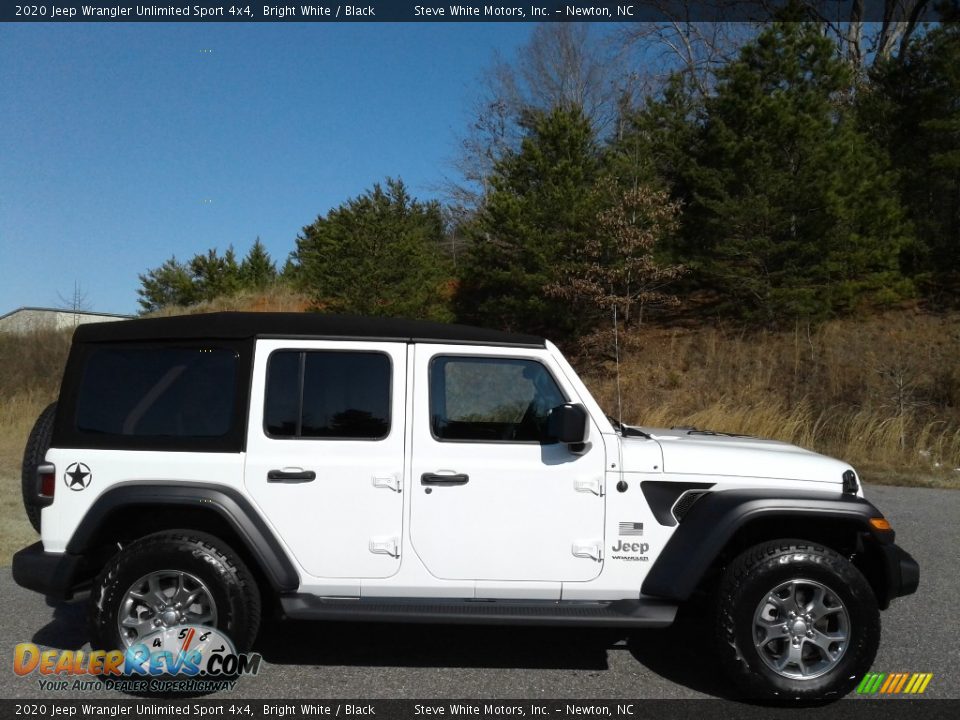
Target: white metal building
<point>31,319</point>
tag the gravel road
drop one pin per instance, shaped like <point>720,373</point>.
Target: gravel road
<point>414,661</point>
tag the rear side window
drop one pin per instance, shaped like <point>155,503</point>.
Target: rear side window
<point>327,394</point>
<point>185,392</point>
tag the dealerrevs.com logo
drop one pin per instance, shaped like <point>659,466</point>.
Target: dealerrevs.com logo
<point>187,658</point>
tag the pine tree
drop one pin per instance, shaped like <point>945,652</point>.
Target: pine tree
<point>912,108</point>
<point>793,212</point>
<point>215,275</point>
<point>653,150</point>
<point>169,284</point>
<point>290,272</point>
<point>536,216</point>
<point>377,254</point>
<point>654,143</point>
<point>205,276</point>
<point>257,270</point>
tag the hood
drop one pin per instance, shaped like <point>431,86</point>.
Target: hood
<point>687,452</point>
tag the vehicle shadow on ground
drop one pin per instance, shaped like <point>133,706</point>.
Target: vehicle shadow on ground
<point>67,629</point>
<point>286,642</point>
<point>684,653</point>
<point>680,654</point>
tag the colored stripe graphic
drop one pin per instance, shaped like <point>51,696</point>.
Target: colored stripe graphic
<point>894,683</point>
<point>918,683</point>
<point>865,683</point>
<point>870,683</point>
<point>903,680</point>
<point>891,681</point>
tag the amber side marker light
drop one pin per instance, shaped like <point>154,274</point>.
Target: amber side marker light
<point>880,524</point>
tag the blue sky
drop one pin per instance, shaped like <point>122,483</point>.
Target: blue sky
<point>125,144</point>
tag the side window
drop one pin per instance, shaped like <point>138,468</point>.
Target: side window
<point>491,399</point>
<point>327,394</point>
<point>158,392</point>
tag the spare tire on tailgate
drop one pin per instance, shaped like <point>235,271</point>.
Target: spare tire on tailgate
<point>38,443</point>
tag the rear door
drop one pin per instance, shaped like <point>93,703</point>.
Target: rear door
<point>490,498</point>
<point>325,452</point>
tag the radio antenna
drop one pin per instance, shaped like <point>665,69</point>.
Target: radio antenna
<point>616,357</point>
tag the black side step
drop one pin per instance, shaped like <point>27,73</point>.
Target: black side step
<point>620,613</point>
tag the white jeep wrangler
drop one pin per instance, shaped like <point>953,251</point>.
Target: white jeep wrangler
<point>196,467</point>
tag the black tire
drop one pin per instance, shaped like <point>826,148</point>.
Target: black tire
<point>233,589</point>
<point>752,577</point>
<point>38,442</point>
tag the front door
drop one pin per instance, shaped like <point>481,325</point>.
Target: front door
<point>491,498</point>
<point>325,452</point>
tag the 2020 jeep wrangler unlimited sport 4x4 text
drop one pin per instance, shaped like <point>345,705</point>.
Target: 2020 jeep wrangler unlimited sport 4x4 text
<point>195,468</point>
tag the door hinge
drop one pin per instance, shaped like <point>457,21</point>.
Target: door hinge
<point>592,549</point>
<point>388,481</point>
<point>590,485</point>
<point>385,546</point>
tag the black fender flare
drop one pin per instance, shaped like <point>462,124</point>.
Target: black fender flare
<point>238,512</point>
<point>716,517</point>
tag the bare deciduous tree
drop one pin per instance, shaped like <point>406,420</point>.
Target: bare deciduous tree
<point>862,37</point>
<point>698,36</point>
<point>617,268</point>
<point>565,65</point>
<point>77,302</point>
<point>678,45</point>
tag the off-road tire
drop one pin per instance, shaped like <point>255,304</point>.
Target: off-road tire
<point>206,557</point>
<point>38,442</point>
<point>755,573</point>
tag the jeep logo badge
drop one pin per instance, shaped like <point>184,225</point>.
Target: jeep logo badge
<point>622,546</point>
<point>77,476</point>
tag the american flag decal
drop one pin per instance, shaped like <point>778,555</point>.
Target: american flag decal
<point>631,528</point>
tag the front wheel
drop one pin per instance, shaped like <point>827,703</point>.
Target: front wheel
<point>797,621</point>
<point>170,579</point>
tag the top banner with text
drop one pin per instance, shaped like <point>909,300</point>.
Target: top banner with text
<point>427,11</point>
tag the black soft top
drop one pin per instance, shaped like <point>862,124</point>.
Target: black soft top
<point>240,325</point>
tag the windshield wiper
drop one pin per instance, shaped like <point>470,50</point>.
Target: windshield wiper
<point>626,430</point>
<point>714,433</point>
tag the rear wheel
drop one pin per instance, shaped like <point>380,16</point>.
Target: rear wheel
<point>173,579</point>
<point>38,442</point>
<point>796,621</point>
<point>161,600</point>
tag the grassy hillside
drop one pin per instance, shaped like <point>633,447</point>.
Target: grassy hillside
<point>32,366</point>
<point>883,393</point>
<point>277,298</point>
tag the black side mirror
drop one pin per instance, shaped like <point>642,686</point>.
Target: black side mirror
<point>568,424</point>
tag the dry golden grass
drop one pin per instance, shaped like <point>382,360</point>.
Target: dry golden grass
<point>32,363</point>
<point>882,393</point>
<point>276,298</point>
<point>32,367</point>
<point>17,416</point>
